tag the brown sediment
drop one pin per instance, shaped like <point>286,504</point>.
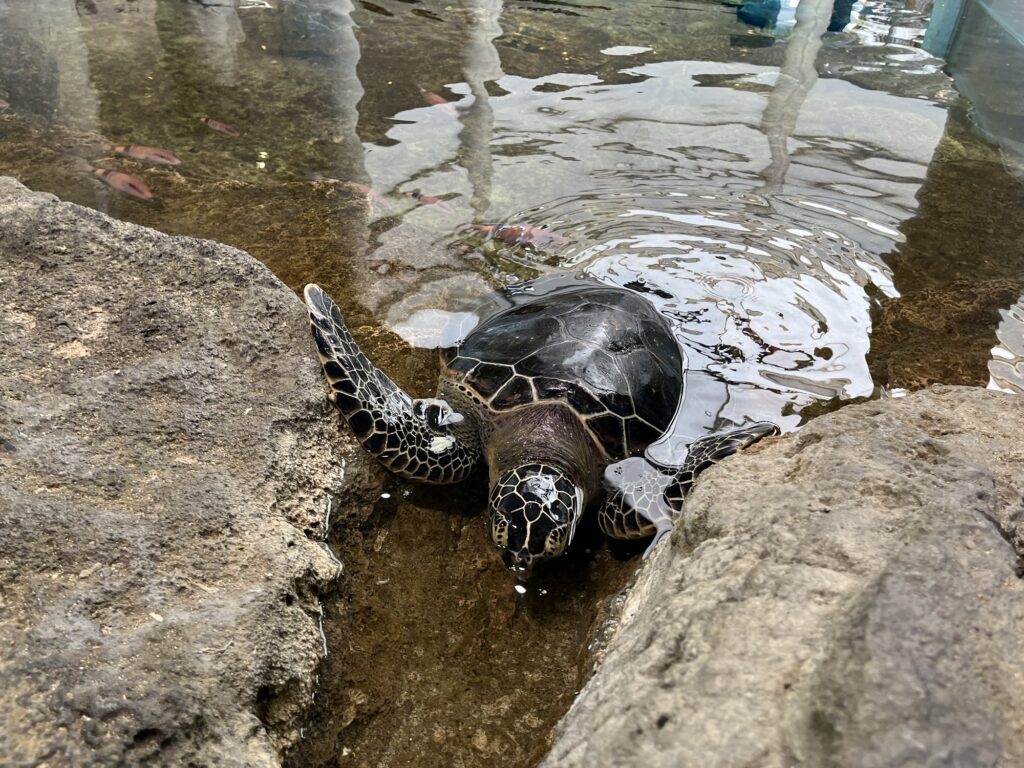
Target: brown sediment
<point>438,661</point>
<point>959,266</point>
<point>940,335</point>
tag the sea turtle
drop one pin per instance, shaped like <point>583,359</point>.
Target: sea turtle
<point>567,381</point>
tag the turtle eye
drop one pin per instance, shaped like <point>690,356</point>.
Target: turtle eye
<point>499,531</point>
<point>555,543</point>
<point>435,414</point>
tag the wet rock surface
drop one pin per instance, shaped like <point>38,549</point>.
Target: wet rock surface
<point>165,454</point>
<point>848,595</point>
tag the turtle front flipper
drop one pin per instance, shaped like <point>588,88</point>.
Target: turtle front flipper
<point>643,499</point>
<point>417,439</point>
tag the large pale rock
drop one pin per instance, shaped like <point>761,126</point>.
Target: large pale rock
<point>846,596</point>
<point>164,455</point>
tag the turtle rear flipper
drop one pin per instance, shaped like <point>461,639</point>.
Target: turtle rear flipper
<point>635,506</point>
<point>643,499</point>
<point>710,450</point>
<point>416,439</point>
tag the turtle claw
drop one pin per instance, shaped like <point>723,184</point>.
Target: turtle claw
<point>664,529</point>
<point>436,412</point>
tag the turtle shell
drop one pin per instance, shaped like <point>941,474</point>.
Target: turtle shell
<point>602,350</point>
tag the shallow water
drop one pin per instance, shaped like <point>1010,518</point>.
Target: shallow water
<point>815,211</point>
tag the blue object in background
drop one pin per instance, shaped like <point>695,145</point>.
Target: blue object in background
<point>759,13</point>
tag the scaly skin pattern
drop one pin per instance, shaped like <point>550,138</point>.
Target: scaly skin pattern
<point>533,513</point>
<point>635,502</point>
<point>416,439</point>
<point>642,499</point>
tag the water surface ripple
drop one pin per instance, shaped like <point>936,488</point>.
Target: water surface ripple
<point>796,186</point>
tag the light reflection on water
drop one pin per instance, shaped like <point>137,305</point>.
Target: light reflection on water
<point>771,316</point>
<point>766,280</point>
<point>775,190</point>
<point>1006,368</point>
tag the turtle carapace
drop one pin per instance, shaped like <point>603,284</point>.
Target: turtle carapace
<point>563,380</point>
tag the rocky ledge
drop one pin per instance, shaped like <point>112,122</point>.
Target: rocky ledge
<point>164,454</point>
<point>848,595</point>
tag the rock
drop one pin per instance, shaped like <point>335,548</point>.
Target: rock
<point>164,455</point>
<point>848,595</point>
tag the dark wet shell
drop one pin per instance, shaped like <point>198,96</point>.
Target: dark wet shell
<point>604,351</point>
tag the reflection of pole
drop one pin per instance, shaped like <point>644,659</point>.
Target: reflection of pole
<point>221,33</point>
<point>348,89</point>
<point>43,40</point>
<point>796,78</point>
<point>481,64</point>
<point>942,27</point>
<point>330,24</point>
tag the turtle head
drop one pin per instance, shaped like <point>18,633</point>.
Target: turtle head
<point>532,515</point>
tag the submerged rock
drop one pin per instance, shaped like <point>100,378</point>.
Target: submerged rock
<point>164,455</point>
<point>848,595</point>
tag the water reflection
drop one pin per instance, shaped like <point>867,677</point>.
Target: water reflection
<point>756,184</point>
<point>1006,369</point>
<point>769,282</point>
<point>771,16</point>
<point>984,44</point>
<point>44,63</point>
<point>796,77</point>
<point>482,65</point>
<point>220,34</point>
<point>772,316</point>
<point>753,203</point>
<point>763,14</point>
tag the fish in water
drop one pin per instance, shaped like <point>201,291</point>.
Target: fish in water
<point>436,100</point>
<point>366,190</point>
<point>369,191</point>
<point>124,183</point>
<point>217,125</point>
<point>143,154</point>
<point>3,105</point>
<point>521,235</point>
<point>421,199</point>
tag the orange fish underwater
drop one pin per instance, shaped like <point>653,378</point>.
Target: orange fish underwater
<point>440,203</point>
<point>217,125</point>
<point>373,193</point>
<point>144,154</point>
<point>124,183</point>
<point>3,105</point>
<point>436,100</point>
<point>521,235</point>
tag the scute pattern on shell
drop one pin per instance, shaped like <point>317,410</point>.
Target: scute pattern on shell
<point>604,351</point>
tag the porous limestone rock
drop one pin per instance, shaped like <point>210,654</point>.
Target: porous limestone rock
<point>164,460</point>
<point>849,595</point>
